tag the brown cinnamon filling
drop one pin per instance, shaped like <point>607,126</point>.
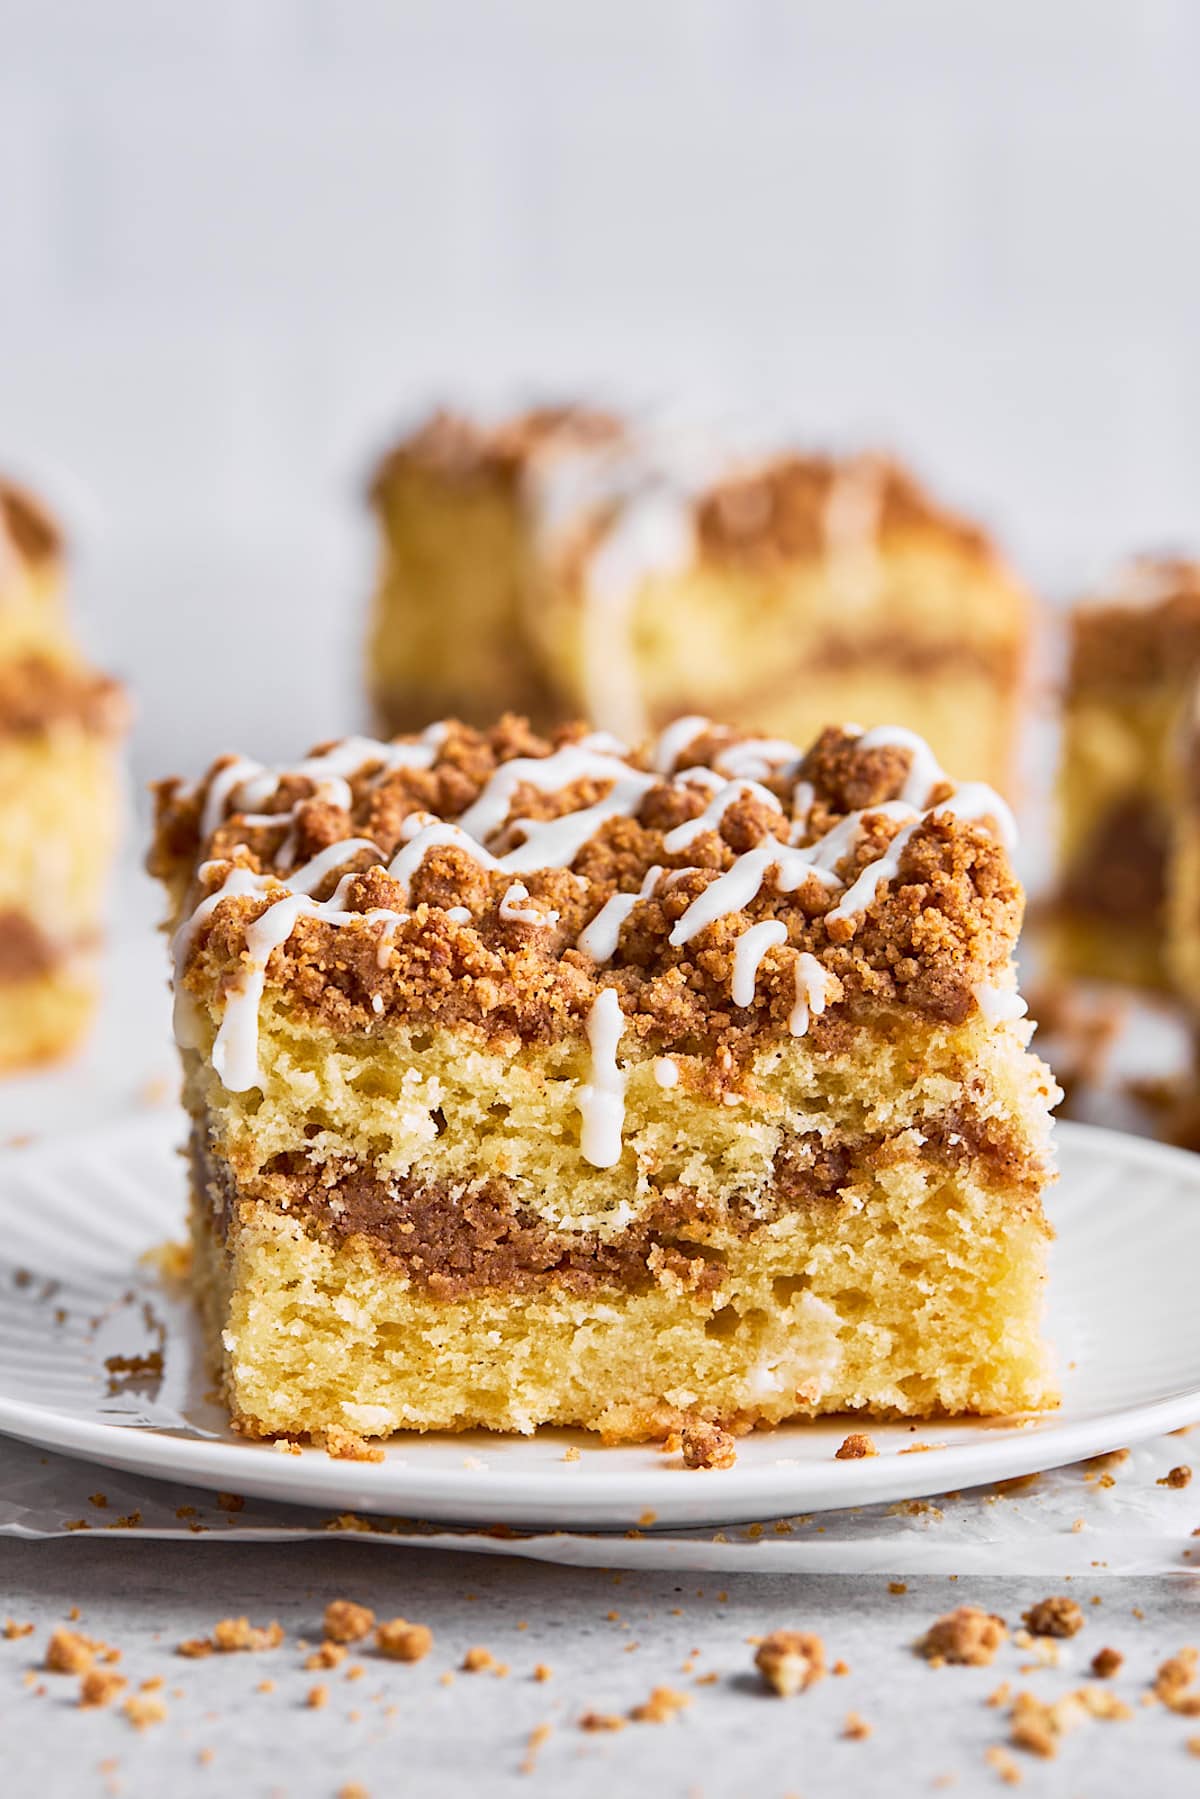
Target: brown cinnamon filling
<point>452,1241</point>
<point>1120,874</point>
<point>25,950</point>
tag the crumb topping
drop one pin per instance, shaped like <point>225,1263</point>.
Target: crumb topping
<point>967,1636</point>
<point>663,1704</point>
<point>100,1686</point>
<point>790,1661</point>
<point>705,1445</point>
<point>731,505</point>
<point>401,1641</point>
<point>716,886</point>
<point>1145,629</point>
<point>27,526</point>
<point>857,1445</point>
<point>346,1622</point>
<point>37,694</point>
<point>1054,1617</point>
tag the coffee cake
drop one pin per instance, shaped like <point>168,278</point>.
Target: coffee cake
<point>59,726</point>
<point>533,1080</point>
<point>568,562</point>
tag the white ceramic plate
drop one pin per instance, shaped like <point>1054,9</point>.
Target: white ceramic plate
<point>77,1214</point>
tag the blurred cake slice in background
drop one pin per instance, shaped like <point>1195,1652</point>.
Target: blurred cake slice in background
<point>1132,674</point>
<point>567,562</point>
<point>60,727</point>
<point>32,577</point>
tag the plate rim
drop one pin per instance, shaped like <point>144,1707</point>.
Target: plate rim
<point>599,1496</point>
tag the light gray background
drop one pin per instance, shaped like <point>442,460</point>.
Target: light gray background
<point>241,240</point>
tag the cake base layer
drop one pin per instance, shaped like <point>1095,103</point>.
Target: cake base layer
<point>919,1300</point>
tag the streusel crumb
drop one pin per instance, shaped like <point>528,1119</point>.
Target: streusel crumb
<point>99,1686</point>
<point>661,1707</point>
<point>1054,1617</point>
<point>346,1622</point>
<point>1177,1477</point>
<point>345,1446</point>
<point>707,1446</point>
<point>857,1445</point>
<point>144,1709</point>
<point>233,1634</point>
<point>1107,1662</point>
<point>1173,1683</point>
<point>68,1652</point>
<point>790,1661</point>
<point>325,1655</point>
<point>401,1641</point>
<point>968,1637</point>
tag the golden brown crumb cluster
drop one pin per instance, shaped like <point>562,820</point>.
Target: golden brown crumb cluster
<point>30,529</point>
<point>36,694</point>
<point>967,1636</point>
<point>461,449</point>
<point>790,1661</point>
<point>939,923</point>
<point>1054,1617</point>
<point>1148,631</point>
<point>774,507</point>
<point>779,509</point>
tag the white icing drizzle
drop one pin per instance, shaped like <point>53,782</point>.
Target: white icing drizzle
<point>427,835</point>
<point>812,993</point>
<point>748,953</point>
<point>599,938</point>
<point>734,890</point>
<point>701,777</point>
<point>999,1004</point>
<point>601,1101</point>
<point>666,1071</point>
<point>221,789</point>
<point>551,774</point>
<point>387,937</point>
<point>925,772</point>
<point>677,737</point>
<point>858,897</point>
<point>714,812</point>
<point>514,911</point>
<point>974,802</point>
<point>853,514</point>
<point>757,759</point>
<point>803,796</point>
<point>554,843</point>
<point>653,535</point>
<point>327,772</point>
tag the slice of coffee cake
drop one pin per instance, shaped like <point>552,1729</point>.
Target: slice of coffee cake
<point>59,797</point>
<point>1134,665</point>
<point>568,562</point>
<point>532,1080</point>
